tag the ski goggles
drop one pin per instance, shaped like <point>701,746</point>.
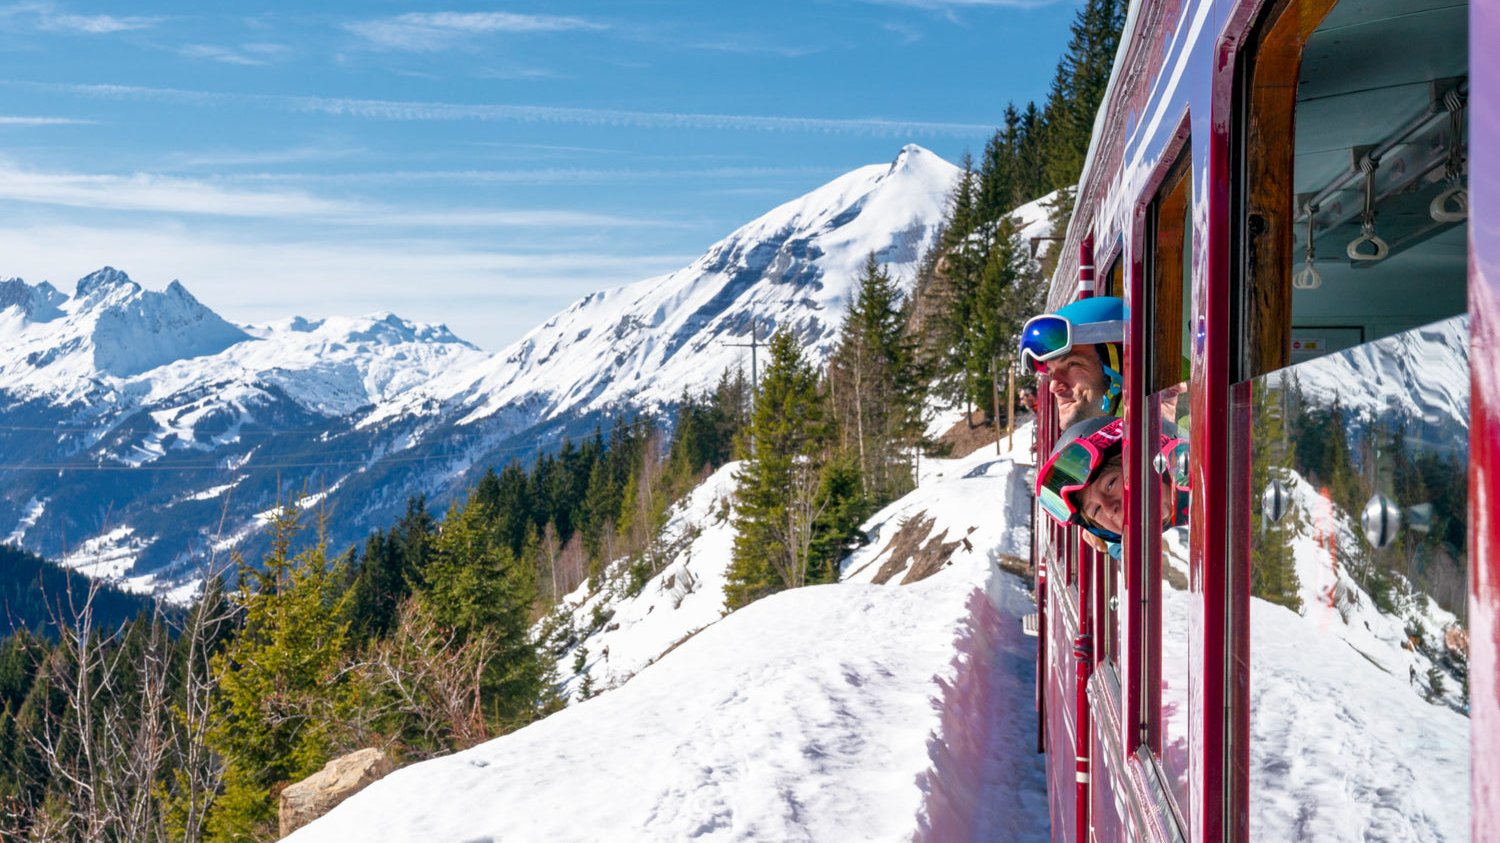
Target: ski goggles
<point>1050,336</point>
<point>1066,474</point>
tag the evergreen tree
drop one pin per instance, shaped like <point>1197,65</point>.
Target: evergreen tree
<point>1078,87</point>
<point>841,506</point>
<point>281,696</point>
<point>777,491</point>
<point>1273,564</point>
<point>475,583</point>
<point>874,392</point>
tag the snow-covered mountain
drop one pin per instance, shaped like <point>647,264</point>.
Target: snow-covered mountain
<point>144,434</point>
<point>792,268</point>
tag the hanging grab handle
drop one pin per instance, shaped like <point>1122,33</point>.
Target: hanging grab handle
<point>1452,205</point>
<point>1367,220</point>
<point>1308,278</point>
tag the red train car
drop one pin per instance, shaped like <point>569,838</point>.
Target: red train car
<point>1282,193</point>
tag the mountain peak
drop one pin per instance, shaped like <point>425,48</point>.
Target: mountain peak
<point>39,303</point>
<point>911,156</point>
<point>107,278</point>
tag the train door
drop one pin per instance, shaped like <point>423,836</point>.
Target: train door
<point>1349,427</point>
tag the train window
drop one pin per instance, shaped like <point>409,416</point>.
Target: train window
<point>1169,243</point>
<point>1114,279</point>
<point>1351,421</point>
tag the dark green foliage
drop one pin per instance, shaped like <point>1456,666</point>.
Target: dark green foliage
<point>476,584</point>
<point>841,506</point>
<point>1273,564</point>
<point>385,573</point>
<point>706,429</point>
<point>1078,88</point>
<point>777,494</point>
<point>282,696</point>
<point>35,593</point>
<point>874,389</point>
<point>977,287</point>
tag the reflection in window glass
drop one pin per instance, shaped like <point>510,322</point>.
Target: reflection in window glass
<point>1176,658</point>
<point>1358,451</point>
<point>1359,679</point>
<point>1170,290</point>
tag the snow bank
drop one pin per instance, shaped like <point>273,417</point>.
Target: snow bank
<point>841,712</point>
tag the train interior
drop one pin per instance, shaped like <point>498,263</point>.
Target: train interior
<point>1379,173</point>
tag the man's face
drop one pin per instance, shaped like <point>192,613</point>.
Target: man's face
<point>1078,385</point>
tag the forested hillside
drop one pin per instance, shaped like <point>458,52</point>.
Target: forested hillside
<point>35,594</point>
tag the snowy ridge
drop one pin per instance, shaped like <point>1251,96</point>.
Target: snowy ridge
<point>842,712</point>
<point>612,633</point>
<point>116,343</point>
<point>792,268</point>
<point>1422,374</point>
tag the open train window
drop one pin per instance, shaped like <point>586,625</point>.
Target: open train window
<point>1350,420</point>
<point>1167,297</point>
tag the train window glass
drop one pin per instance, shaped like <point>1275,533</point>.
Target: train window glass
<point>1355,418</point>
<point>1169,291</point>
<point>1114,279</point>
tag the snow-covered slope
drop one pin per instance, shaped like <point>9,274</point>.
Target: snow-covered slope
<point>842,712</point>
<point>1421,374</point>
<point>144,434</point>
<point>60,347</point>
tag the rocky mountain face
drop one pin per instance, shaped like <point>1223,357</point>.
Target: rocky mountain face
<point>145,437</point>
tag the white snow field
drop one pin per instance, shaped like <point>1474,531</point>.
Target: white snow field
<point>830,713</point>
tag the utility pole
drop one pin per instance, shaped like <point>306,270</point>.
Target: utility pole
<point>995,399</point>
<point>754,346</point>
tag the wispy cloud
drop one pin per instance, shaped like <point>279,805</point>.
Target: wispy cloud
<point>907,34</point>
<point>264,157</point>
<point>7,120</point>
<point>250,55</point>
<point>51,17</point>
<point>748,49</point>
<point>425,31</point>
<point>144,192</point>
<point>435,111</point>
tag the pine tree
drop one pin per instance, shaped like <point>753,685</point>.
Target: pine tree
<point>281,694</point>
<point>777,490</point>
<point>874,392</point>
<point>1273,564</point>
<point>1078,87</point>
<point>475,583</point>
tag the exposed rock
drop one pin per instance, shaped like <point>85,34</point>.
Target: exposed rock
<point>341,778</point>
<point>912,551</point>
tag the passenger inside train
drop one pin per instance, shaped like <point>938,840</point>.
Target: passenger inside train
<point>1083,481</point>
<point>1080,348</point>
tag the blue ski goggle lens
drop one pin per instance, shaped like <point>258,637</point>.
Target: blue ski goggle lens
<point>1044,338</point>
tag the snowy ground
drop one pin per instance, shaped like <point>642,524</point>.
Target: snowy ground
<point>843,712</point>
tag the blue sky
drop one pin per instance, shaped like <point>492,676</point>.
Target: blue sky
<point>480,165</point>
